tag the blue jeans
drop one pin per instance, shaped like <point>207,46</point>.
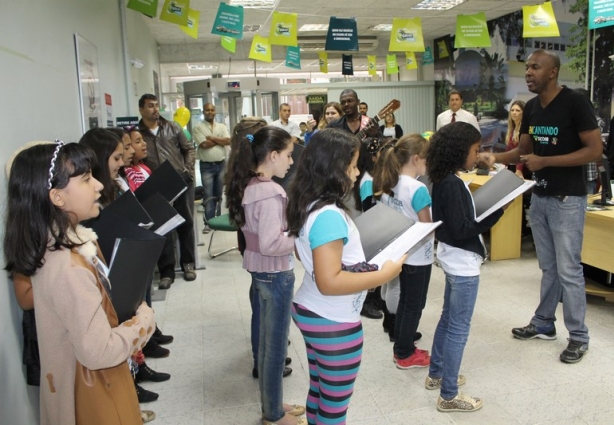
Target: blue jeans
<point>255,322</point>
<point>212,176</point>
<point>558,229</point>
<point>275,291</point>
<point>414,287</point>
<point>452,331</point>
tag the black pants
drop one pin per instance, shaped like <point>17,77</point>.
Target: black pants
<point>185,234</point>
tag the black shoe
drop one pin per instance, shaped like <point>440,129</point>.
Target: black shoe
<point>369,310</point>
<point>145,373</point>
<point>166,282</point>
<point>574,352</point>
<point>531,331</point>
<point>288,361</point>
<point>153,350</point>
<point>417,336</point>
<point>145,396</point>
<point>160,338</point>
<point>188,272</point>
<point>287,372</point>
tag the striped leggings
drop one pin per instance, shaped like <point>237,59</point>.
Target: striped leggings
<point>334,351</point>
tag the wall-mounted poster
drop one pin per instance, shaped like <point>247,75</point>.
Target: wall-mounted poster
<point>89,84</point>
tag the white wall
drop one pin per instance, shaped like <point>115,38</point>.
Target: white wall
<point>39,100</point>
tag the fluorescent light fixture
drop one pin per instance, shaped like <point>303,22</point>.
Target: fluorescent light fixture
<point>195,67</point>
<point>253,4</point>
<point>382,27</point>
<point>251,28</point>
<point>437,4</point>
<point>314,27</point>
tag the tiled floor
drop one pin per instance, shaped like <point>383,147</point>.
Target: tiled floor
<point>519,381</point>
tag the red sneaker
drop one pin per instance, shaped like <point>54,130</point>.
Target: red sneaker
<point>418,359</point>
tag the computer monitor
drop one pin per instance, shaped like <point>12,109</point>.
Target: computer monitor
<point>606,187</point>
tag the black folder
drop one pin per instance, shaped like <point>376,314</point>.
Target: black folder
<point>164,216</point>
<point>131,272</point>
<point>129,207</point>
<point>132,254</point>
<point>165,180</point>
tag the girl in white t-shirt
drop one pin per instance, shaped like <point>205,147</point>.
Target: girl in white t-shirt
<point>327,306</point>
<point>395,184</point>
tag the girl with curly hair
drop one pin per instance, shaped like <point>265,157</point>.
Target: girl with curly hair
<point>460,252</point>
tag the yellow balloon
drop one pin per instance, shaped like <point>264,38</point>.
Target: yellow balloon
<point>182,116</point>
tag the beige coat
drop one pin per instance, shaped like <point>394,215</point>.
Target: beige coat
<point>73,326</point>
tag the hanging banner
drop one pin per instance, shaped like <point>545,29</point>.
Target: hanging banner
<point>539,21</point>
<point>228,43</point>
<point>261,49</point>
<point>406,35</point>
<point>323,59</point>
<point>410,61</point>
<point>229,21</point>
<point>372,64</point>
<point>146,7</point>
<point>342,34</point>
<point>600,13</point>
<point>175,11</point>
<point>427,56</point>
<point>293,57</point>
<point>347,66</point>
<point>471,31</point>
<point>392,66</point>
<point>283,29</point>
<point>192,28</point>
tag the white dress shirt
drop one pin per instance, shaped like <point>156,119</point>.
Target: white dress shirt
<point>461,115</point>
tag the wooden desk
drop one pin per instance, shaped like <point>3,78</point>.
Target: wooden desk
<point>597,247</point>
<point>505,236</point>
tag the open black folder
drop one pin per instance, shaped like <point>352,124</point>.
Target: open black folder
<point>165,180</point>
<point>499,190</point>
<point>132,254</point>
<point>129,207</point>
<point>165,217</point>
<point>387,234</point>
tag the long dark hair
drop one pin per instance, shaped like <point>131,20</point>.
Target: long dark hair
<point>103,142</point>
<point>31,216</point>
<point>321,177</point>
<point>365,164</point>
<point>392,158</point>
<point>449,149</point>
<point>245,158</point>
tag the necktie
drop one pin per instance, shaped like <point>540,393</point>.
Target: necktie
<point>453,117</point>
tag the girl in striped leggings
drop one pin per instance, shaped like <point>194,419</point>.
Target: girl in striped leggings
<point>327,306</point>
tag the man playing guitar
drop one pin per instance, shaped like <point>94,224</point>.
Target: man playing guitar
<point>352,120</point>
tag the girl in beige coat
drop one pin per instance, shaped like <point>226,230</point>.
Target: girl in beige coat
<point>84,374</point>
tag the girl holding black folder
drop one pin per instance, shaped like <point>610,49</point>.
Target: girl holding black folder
<point>257,205</point>
<point>83,349</point>
<point>395,184</point>
<point>327,306</point>
<point>460,251</point>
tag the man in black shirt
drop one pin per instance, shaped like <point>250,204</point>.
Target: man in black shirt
<point>559,134</point>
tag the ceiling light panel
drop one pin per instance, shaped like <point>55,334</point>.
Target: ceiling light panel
<point>437,4</point>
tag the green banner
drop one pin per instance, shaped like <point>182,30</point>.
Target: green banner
<point>176,12</point>
<point>342,34</point>
<point>317,98</point>
<point>410,61</point>
<point>261,49</point>
<point>229,43</point>
<point>372,64</point>
<point>347,65</point>
<point>600,13</point>
<point>293,57</point>
<point>192,28</point>
<point>283,29</point>
<point>229,21</point>
<point>146,7</point>
<point>539,21</point>
<point>406,35</point>
<point>471,31</point>
<point>323,61</point>
<point>427,57</point>
<point>392,66</point>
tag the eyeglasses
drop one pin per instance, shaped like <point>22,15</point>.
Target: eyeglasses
<point>130,128</point>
